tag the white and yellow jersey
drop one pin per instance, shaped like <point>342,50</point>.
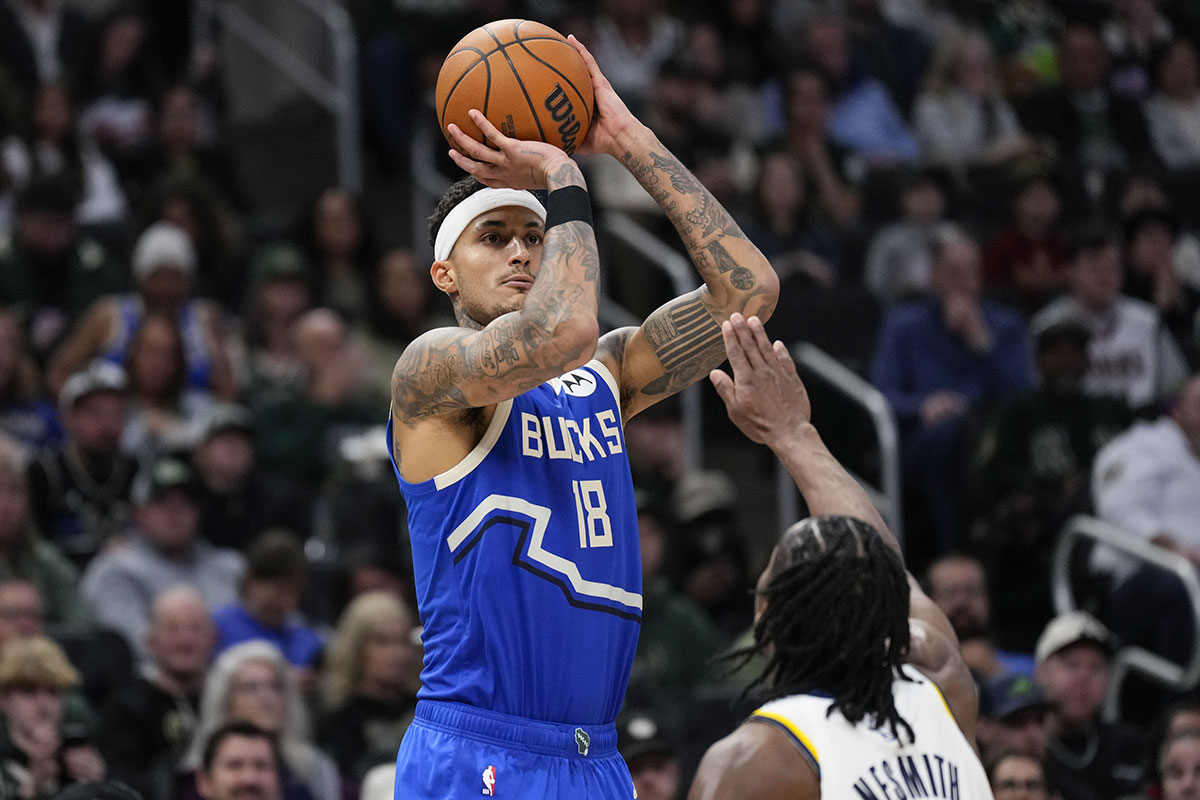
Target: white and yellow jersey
<point>861,763</point>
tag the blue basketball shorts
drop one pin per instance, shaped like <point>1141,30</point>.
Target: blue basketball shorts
<point>455,752</point>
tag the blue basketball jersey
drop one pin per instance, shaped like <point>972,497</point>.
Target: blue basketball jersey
<point>527,562</point>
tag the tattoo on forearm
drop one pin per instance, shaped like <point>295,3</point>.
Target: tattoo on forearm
<point>687,342</point>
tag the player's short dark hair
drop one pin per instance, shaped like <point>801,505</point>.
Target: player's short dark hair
<point>239,728</point>
<point>836,620</point>
<point>457,192</point>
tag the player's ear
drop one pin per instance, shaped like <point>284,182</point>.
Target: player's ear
<point>443,277</point>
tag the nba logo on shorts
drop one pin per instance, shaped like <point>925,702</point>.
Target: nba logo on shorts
<point>489,781</point>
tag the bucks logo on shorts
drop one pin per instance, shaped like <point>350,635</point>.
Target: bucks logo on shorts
<point>582,740</point>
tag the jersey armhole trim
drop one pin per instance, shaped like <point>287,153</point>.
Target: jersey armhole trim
<point>946,705</point>
<point>600,369</point>
<point>802,742</point>
<point>480,451</point>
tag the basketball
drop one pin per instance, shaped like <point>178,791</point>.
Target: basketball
<point>525,77</point>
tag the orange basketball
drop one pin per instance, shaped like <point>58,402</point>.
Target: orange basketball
<point>524,76</point>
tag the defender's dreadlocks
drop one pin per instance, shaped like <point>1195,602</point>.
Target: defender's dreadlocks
<point>836,620</point>
<point>457,192</point>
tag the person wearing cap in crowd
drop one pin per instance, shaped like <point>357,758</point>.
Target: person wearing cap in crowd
<point>1029,473</point>
<point>708,555</point>
<point>147,724</point>
<point>43,746</point>
<point>236,499</point>
<point>48,272</point>
<point>1087,757</point>
<point>164,263</point>
<point>1013,717</point>
<point>162,549</point>
<point>1147,482</point>
<point>80,490</point>
<point>650,751</point>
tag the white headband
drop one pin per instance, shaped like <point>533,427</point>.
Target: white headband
<point>482,201</point>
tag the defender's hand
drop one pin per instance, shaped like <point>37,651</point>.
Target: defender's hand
<point>509,163</point>
<point>765,398</point>
<point>611,115</point>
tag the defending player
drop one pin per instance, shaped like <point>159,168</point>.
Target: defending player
<point>507,438</point>
<point>871,696</point>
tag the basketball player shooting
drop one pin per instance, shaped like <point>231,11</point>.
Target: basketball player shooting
<point>507,438</point>
<point>870,696</point>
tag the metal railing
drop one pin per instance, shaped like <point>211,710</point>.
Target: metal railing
<point>1128,659</point>
<point>887,496</point>
<point>338,94</point>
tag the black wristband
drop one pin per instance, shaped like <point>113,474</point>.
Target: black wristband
<point>568,204</point>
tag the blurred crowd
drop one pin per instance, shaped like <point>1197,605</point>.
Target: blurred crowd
<point>987,208</point>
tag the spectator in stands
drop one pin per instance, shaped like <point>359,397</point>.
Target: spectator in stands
<point>162,406</point>
<point>1180,717</point>
<point>894,53</point>
<point>39,42</point>
<point>1142,191</point>
<point>939,359</point>
<point>1013,717</point>
<point>147,725</point>
<point>211,225</point>
<point>25,415</point>
<point>1092,127</point>
<point>236,499</point>
<point>651,753</point>
<point>164,263</point>
<point>401,307</point>
<point>1016,776</point>
<point>958,586</point>
<point>47,143</point>
<point>632,40</point>
<point>252,683</point>
<point>862,117</point>
<point>337,240</point>
<point>1149,239</point>
<point>241,760</point>
<point>280,292</point>
<point>24,554</point>
<point>785,227</point>
<point>1133,34</point>
<point>962,120</point>
<point>50,273</point>
<point>1023,32</point>
<point>1087,758</point>
<point>1179,764</point>
<point>900,258</point>
<point>707,552</point>
<point>1173,110</point>
<point>21,613</point>
<point>179,152</point>
<point>1130,353</point>
<point>43,749</point>
<point>369,685</point>
<point>294,433</point>
<point>116,86</point>
<point>1026,263</point>
<point>162,550</point>
<point>79,491</point>
<point>836,171</point>
<point>268,606</point>
<point>1030,473</point>
<point>678,639</point>
<point>1147,481</point>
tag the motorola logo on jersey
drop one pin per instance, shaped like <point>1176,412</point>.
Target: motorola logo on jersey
<point>579,383</point>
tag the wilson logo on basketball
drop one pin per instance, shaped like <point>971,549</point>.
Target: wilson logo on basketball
<point>562,111</point>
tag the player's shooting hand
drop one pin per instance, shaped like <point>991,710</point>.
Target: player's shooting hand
<point>611,115</point>
<point>508,163</point>
<point>765,397</point>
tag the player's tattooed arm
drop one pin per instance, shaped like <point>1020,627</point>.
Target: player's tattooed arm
<point>680,343</point>
<point>450,369</point>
